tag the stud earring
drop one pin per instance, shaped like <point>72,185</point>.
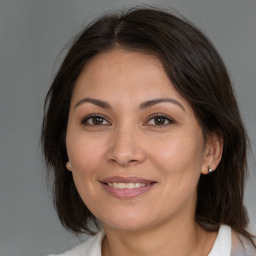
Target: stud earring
<point>210,169</point>
<point>69,163</point>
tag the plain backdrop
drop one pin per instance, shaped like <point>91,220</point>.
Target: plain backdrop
<point>32,34</point>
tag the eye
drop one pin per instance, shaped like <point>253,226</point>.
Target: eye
<point>95,120</point>
<point>160,120</point>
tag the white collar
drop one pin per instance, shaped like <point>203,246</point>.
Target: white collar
<point>222,244</point>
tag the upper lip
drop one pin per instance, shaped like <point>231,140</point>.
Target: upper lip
<point>133,179</point>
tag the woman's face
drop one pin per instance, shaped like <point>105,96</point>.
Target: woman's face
<point>135,146</point>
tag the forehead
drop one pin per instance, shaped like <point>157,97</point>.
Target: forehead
<point>120,62</point>
<point>126,80</point>
<point>125,76</point>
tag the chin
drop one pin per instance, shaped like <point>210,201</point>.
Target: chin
<point>128,227</point>
<point>128,222</point>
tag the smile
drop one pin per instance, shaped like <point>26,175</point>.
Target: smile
<point>126,187</point>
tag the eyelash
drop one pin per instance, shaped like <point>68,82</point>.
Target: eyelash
<point>162,116</point>
<point>85,120</point>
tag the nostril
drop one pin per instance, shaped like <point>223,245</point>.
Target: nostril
<point>124,161</point>
<point>125,153</point>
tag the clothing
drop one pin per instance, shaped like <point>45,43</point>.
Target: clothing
<point>226,244</point>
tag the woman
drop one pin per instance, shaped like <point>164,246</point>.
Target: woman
<point>142,132</point>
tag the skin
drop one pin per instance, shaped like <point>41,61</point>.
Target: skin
<point>129,140</point>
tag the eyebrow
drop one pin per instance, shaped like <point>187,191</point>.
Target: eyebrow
<point>150,103</point>
<point>100,103</point>
<point>144,105</point>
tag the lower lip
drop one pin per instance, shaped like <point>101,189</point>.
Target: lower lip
<point>127,193</point>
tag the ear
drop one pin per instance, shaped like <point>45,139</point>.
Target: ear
<point>213,152</point>
<point>68,165</point>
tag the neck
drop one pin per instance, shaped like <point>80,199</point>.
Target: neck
<point>177,239</point>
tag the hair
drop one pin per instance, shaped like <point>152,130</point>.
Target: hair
<point>196,71</point>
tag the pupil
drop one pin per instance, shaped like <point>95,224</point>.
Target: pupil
<point>97,120</point>
<point>159,120</point>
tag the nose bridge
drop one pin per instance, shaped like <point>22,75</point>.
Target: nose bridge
<point>125,145</point>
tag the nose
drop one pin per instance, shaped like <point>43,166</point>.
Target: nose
<point>126,147</point>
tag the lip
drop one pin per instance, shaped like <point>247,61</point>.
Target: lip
<point>127,193</point>
<point>132,179</point>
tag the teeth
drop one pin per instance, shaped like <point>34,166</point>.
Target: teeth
<point>126,185</point>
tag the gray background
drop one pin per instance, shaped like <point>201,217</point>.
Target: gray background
<point>32,33</point>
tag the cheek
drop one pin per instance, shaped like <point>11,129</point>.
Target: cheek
<point>179,161</point>
<point>84,152</point>
<point>178,152</point>
<point>85,155</point>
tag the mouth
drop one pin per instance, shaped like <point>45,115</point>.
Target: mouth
<point>127,187</point>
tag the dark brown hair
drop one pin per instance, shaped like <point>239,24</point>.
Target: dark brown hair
<point>198,74</point>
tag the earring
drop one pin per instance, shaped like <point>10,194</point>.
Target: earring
<point>210,169</point>
<point>69,163</point>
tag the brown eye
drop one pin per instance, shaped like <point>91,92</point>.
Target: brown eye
<point>95,120</point>
<point>160,120</point>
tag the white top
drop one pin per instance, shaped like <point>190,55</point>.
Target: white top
<point>221,247</point>
<point>222,244</point>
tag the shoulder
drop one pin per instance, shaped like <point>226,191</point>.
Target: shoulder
<point>230,243</point>
<point>91,247</point>
<point>242,245</point>
<point>222,244</point>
